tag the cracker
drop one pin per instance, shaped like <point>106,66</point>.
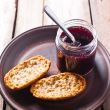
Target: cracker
<point>27,72</point>
<point>58,87</point>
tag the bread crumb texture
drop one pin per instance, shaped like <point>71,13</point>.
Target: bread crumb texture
<point>60,86</point>
<point>27,72</point>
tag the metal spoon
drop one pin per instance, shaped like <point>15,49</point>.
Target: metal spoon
<point>49,12</point>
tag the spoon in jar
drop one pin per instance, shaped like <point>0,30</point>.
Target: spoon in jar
<point>49,12</point>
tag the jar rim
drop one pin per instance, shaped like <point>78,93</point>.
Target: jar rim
<point>82,23</point>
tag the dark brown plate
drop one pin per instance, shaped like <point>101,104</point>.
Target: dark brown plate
<point>40,41</point>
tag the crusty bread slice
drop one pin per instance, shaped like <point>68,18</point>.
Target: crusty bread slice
<point>58,87</point>
<point>27,72</point>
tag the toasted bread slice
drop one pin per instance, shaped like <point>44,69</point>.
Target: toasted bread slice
<point>60,86</point>
<point>27,72</point>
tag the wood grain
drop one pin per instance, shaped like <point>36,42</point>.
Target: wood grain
<point>7,16</point>
<point>29,15</point>
<point>8,107</point>
<point>68,9</point>
<point>1,103</point>
<point>101,20</point>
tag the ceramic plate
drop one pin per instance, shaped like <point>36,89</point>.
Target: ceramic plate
<point>40,41</point>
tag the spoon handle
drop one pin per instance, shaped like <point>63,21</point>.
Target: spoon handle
<point>49,12</point>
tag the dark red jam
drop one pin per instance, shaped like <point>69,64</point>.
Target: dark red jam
<point>69,60</point>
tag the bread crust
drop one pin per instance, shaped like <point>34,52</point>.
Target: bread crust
<point>59,87</point>
<point>25,73</point>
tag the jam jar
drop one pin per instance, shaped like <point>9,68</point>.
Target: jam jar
<point>78,59</point>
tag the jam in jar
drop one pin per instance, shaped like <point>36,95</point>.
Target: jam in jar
<point>76,59</point>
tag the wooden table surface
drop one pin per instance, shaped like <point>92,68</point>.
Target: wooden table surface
<point>17,16</point>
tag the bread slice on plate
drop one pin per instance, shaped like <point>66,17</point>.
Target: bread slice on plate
<point>60,86</point>
<point>26,72</point>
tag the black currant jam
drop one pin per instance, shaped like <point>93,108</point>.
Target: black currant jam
<point>76,59</point>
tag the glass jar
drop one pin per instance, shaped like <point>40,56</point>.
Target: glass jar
<point>76,59</point>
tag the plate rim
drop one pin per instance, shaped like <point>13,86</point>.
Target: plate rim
<point>2,92</point>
